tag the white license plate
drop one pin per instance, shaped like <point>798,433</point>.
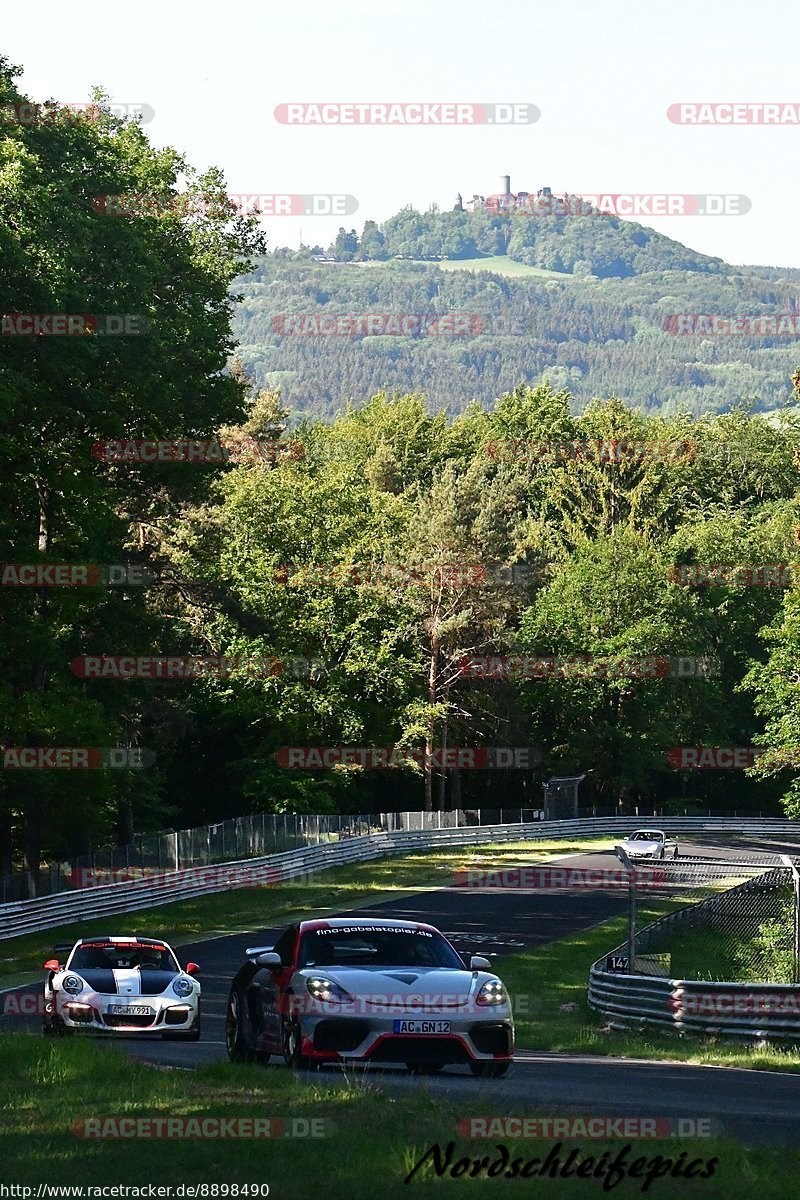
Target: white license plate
<point>421,1026</point>
<point>131,1010</point>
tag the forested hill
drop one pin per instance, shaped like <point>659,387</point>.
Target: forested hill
<point>593,335</point>
<point>579,241</point>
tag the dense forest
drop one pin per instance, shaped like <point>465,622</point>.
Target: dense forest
<point>590,335</point>
<point>384,548</point>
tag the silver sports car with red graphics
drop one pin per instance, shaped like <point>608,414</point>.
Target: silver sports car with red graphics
<point>352,989</point>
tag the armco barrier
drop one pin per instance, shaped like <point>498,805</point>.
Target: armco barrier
<point>761,1011</point>
<point>46,912</point>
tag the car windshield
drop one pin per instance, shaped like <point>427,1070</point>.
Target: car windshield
<point>646,835</point>
<point>102,956</point>
<point>362,946</point>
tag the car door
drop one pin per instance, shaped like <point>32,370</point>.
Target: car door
<point>271,987</point>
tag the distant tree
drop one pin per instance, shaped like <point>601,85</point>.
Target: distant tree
<point>346,245</point>
<point>373,243</point>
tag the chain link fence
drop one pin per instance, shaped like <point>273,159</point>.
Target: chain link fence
<point>713,920</point>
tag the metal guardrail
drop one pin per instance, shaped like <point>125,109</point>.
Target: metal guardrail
<point>47,912</point>
<point>761,1011</point>
<point>233,840</point>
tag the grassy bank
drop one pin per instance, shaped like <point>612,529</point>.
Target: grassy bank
<point>256,908</point>
<point>371,1140</point>
<point>552,1012</point>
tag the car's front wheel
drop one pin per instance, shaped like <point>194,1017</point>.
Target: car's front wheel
<point>55,1027</point>
<point>184,1035</point>
<point>484,1070</point>
<point>293,1046</point>
<point>236,1040</point>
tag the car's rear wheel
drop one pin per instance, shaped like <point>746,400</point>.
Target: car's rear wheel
<point>663,853</point>
<point>421,1068</point>
<point>236,1040</point>
<point>675,853</point>
<point>484,1070</point>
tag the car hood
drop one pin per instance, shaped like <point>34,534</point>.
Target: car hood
<point>640,844</point>
<point>417,987</point>
<point>129,982</point>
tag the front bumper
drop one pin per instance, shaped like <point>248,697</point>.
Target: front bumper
<point>476,1035</point>
<point>90,1012</point>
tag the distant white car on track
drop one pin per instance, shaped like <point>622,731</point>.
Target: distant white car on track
<point>122,985</point>
<point>649,843</point>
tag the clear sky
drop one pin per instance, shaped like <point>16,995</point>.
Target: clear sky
<point>602,74</point>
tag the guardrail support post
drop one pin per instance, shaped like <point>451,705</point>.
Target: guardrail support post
<point>628,865</point>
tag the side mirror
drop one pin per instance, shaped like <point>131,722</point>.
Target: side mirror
<point>192,969</point>
<point>476,963</point>
<point>52,964</point>
<point>270,960</point>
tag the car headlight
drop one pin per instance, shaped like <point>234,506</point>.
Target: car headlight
<point>182,987</point>
<point>492,993</point>
<point>326,990</point>
<point>72,984</point>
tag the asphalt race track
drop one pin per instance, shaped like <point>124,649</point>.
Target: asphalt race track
<point>749,1105</point>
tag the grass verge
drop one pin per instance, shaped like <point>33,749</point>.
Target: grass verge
<point>373,1140</point>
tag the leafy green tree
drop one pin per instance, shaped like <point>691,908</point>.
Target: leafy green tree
<point>169,273</point>
<point>611,601</point>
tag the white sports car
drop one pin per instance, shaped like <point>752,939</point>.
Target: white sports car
<point>649,843</point>
<point>123,985</point>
